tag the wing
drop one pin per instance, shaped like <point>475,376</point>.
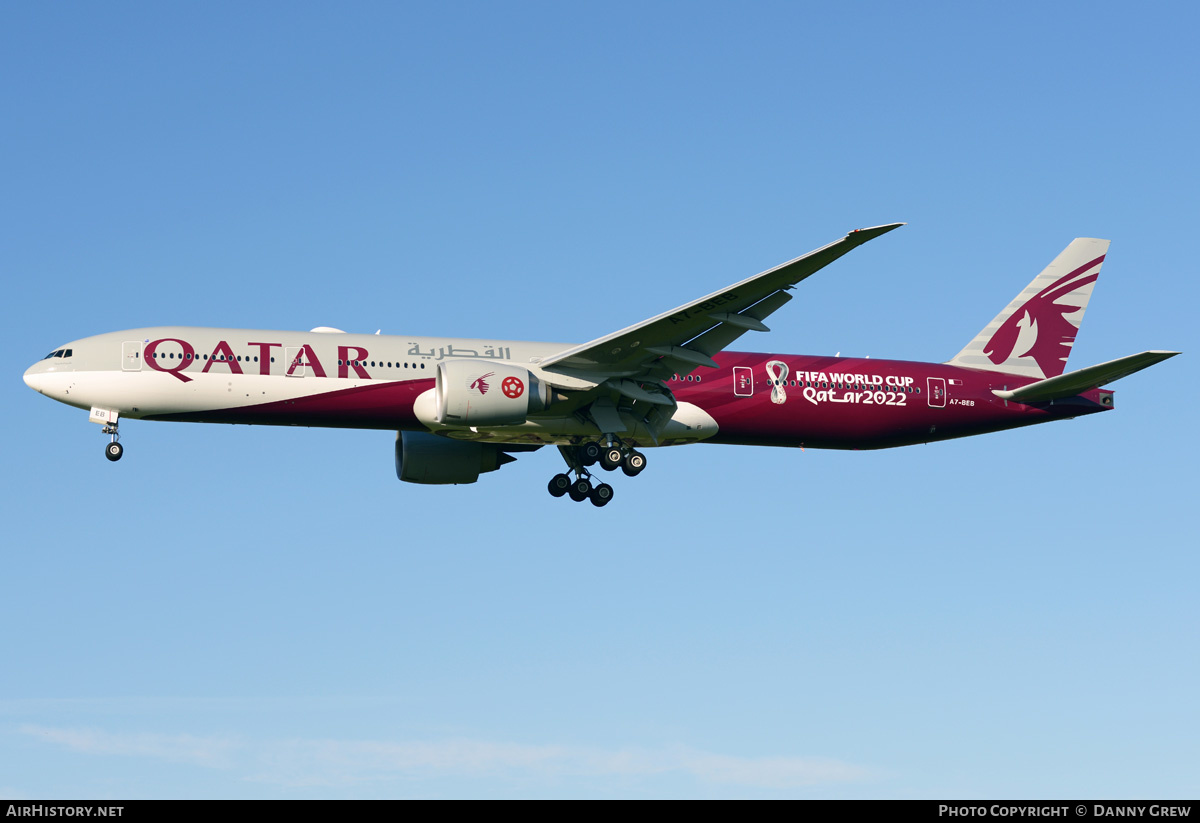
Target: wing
<point>634,360</point>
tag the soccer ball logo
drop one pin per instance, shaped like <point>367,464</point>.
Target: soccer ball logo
<point>512,387</point>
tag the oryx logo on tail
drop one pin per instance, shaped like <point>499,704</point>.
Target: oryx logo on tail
<point>1043,326</point>
<point>1034,334</point>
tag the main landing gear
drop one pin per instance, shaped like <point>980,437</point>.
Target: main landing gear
<point>114,449</point>
<point>579,458</point>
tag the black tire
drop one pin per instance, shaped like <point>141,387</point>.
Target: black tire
<point>580,490</point>
<point>113,451</point>
<point>610,459</point>
<point>601,495</point>
<point>633,464</point>
<point>559,484</point>
<point>589,453</point>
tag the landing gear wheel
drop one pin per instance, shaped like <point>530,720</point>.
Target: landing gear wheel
<point>601,495</point>
<point>113,451</point>
<point>589,453</point>
<point>610,458</point>
<point>559,485</point>
<point>580,490</point>
<point>633,463</point>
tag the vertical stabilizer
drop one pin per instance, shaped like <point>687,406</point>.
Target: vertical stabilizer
<point>1033,336</point>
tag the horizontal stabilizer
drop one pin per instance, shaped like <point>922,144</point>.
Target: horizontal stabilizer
<point>1077,382</point>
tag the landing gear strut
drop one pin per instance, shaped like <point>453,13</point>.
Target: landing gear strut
<point>114,449</point>
<point>579,458</point>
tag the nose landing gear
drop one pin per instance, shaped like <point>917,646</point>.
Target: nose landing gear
<point>114,449</point>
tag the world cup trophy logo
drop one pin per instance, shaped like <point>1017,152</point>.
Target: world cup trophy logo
<point>777,372</point>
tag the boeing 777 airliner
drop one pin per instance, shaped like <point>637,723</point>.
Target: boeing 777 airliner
<point>461,407</point>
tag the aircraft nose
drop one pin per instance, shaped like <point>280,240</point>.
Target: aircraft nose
<point>35,378</point>
<point>31,378</point>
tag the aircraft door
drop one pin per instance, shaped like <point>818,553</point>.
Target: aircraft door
<point>743,381</point>
<point>131,355</point>
<point>294,357</point>
<point>937,392</point>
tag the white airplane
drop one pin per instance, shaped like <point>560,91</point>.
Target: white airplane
<point>465,407</point>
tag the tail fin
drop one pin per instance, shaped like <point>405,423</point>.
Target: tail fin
<point>1033,336</point>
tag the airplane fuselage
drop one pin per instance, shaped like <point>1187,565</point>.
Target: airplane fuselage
<point>335,379</point>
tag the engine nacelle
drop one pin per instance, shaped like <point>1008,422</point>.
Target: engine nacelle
<point>433,460</point>
<point>486,393</point>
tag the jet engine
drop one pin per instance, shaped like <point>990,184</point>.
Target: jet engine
<point>433,460</point>
<point>485,393</point>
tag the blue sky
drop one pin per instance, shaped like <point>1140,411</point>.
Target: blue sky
<point>252,612</point>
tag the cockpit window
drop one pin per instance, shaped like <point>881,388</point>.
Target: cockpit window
<point>58,353</point>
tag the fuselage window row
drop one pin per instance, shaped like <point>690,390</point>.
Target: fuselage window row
<point>249,359</point>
